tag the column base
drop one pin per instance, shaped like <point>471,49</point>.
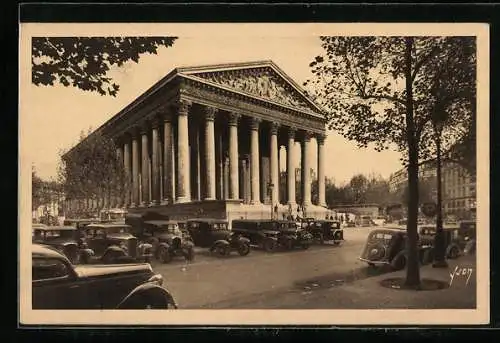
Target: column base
<point>165,202</point>
<point>209,199</point>
<point>183,200</point>
<point>255,202</point>
<point>154,203</point>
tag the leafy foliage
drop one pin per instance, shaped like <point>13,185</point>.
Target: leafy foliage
<point>43,192</point>
<point>394,92</point>
<point>361,189</point>
<point>93,169</point>
<point>84,62</point>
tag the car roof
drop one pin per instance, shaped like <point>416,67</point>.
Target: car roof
<point>55,228</point>
<point>264,220</point>
<point>160,222</point>
<point>106,226</point>
<point>206,220</point>
<point>41,250</point>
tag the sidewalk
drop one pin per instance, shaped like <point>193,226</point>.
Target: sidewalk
<point>369,294</point>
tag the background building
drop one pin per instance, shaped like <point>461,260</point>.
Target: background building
<point>459,187</point>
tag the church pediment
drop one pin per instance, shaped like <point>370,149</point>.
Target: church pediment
<point>263,82</point>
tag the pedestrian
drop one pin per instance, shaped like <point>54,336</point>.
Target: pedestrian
<point>276,208</point>
<point>284,215</point>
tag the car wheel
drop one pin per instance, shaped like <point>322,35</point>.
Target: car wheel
<point>399,262</point>
<point>454,253</point>
<point>150,303</point>
<point>243,249</point>
<point>222,250</point>
<point>109,258</point>
<point>164,255</point>
<point>269,245</point>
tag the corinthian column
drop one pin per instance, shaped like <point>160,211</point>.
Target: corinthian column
<point>321,169</point>
<point>306,170</point>
<point>274,163</point>
<point>145,167</point>
<point>135,169</point>
<point>290,172</point>
<point>126,166</point>
<point>254,161</point>
<point>155,170</point>
<point>233,156</point>
<point>116,200</point>
<point>210,152</point>
<point>168,170</point>
<point>183,167</point>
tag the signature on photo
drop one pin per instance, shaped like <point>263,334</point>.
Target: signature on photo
<point>461,272</point>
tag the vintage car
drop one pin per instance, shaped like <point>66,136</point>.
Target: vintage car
<point>271,234</point>
<point>63,238</point>
<point>114,243</point>
<point>326,230</point>
<point>456,236</point>
<point>387,247</point>
<point>58,284</point>
<point>167,240</point>
<point>80,223</point>
<point>215,235</point>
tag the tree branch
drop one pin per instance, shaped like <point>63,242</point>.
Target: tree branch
<point>422,61</point>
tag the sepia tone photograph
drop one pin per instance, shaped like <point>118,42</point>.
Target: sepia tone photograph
<point>254,174</point>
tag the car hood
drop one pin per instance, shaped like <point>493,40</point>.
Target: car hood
<point>120,236</point>
<point>86,271</point>
<point>60,241</point>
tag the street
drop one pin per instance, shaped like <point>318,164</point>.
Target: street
<point>213,282</point>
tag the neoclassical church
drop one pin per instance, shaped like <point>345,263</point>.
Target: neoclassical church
<point>205,142</point>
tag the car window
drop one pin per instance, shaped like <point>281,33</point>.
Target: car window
<point>48,268</point>
<point>382,236</point>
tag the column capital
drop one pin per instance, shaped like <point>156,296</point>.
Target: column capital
<point>307,136</point>
<point>144,128</point>
<point>210,112</point>
<point>164,113</point>
<point>320,138</point>
<point>254,123</point>
<point>233,118</point>
<point>274,128</point>
<point>291,132</point>
<point>155,122</point>
<point>183,106</point>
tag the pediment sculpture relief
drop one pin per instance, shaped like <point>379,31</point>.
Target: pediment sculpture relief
<point>262,83</point>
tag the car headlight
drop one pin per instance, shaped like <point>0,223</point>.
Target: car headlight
<point>124,246</point>
<point>156,279</point>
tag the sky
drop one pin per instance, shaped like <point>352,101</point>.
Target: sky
<point>56,115</point>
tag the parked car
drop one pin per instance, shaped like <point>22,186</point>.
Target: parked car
<point>379,221</point>
<point>455,239</point>
<point>326,230</point>
<point>467,231</point>
<point>364,221</point>
<point>114,243</point>
<point>215,235</point>
<point>58,284</point>
<point>63,238</point>
<point>387,247</point>
<point>167,240</point>
<point>80,223</point>
<point>271,234</point>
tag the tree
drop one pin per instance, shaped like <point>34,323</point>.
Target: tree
<point>375,91</point>
<point>37,190</point>
<point>84,62</point>
<point>93,170</point>
<point>358,186</point>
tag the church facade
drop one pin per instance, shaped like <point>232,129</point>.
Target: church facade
<point>205,142</point>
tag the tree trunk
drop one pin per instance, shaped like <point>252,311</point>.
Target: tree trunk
<point>439,244</point>
<point>413,268</point>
